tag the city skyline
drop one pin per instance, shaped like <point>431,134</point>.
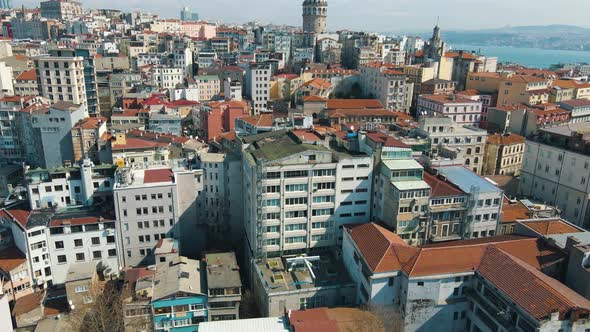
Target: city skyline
<point>375,15</point>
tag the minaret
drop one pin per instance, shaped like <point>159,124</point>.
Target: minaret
<point>315,13</point>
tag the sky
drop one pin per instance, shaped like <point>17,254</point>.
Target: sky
<point>370,15</point>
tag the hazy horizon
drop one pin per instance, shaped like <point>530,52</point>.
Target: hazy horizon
<point>371,15</point>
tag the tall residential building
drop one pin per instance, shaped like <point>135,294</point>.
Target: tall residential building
<point>503,154</point>
<point>298,191</point>
<point>61,77</point>
<point>153,204</point>
<point>387,83</point>
<point>315,13</point>
<point>462,110</point>
<point>556,170</point>
<point>6,82</point>
<point>61,9</point>
<point>258,85</point>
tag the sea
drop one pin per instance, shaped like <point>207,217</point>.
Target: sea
<point>529,57</point>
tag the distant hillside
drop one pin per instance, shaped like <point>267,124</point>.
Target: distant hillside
<point>557,37</point>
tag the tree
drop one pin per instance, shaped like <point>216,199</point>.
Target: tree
<point>104,314</point>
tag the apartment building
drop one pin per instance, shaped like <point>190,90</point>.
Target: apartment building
<point>401,197</point>
<point>216,118</point>
<point>61,9</point>
<point>556,170</point>
<point>503,154</point>
<point>511,88</point>
<point>298,191</point>
<point>467,142</point>
<point>153,204</point>
<point>223,285</point>
<point>208,86</point>
<point>166,77</point>
<point>447,209</point>
<point>14,270</point>
<point>579,108</point>
<point>82,184</point>
<point>79,238</point>
<point>484,203</point>
<point>25,84</point>
<point>258,85</point>
<point>61,77</point>
<point>387,83</point>
<point>481,290</point>
<point>182,57</point>
<point>85,138</point>
<point>462,110</point>
<point>437,86</point>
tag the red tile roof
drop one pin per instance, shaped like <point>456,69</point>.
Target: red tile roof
<point>27,304</point>
<point>551,227</point>
<point>511,212</point>
<point>529,288</point>
<point>260,120</point>
<point>464,55</point>
<point>90,123</point>
<point>132,143</point>
<point>317,83</point>
<point>386,140</point>
<point>353,103</point>
<point>27,75</point>
<point>133,275</point>
<point>79,221</point>
<point>338,113</point>
<point>314,99</point>
<point>447,99</point>
<point>441,188</point>
<point>577,102</point>
<point>21,216</point>
<point>11,258</point>
<point>508,139</point>
<point>157,175</point>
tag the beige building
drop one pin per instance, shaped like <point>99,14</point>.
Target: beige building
<point>511,88</point>
<point>503,154</point>
<point>25,84</point>
<point>81,284</point>
<point>14,273</point>
<point>387,83</point>
<point>61,78</point>
<point>85,136</point>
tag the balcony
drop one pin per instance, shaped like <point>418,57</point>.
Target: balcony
<point>500,314</point>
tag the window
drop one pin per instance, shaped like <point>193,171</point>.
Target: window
<point>61,259</point>
<point>80,257</point>
<point>296,201</point>
<point>78,243</point>
<point>96,254</point>
<point>111,239</point>
<point>296,187</point>
<point>421,283</point>
<point>323,186</point>
<point>81,288</point>
<point>59,244</point>
<point>456,291</point>
<point>295,227</point>
<point>95,241</point>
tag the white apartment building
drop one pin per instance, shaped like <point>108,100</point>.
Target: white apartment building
<point>155,59</point>
<point>80,238</point>
<point>258,79</point>
<point>463,111</point>
<point>166,77</point>
<point>183,58</point>
<point>468,287</point>
<point>61,78</point>
<point>298,192</point>
<point>580,109</point>
<point>559,174</point>
<point>150,204</point>
<point>386,82</point>
<point>72,186</point>
<point>6,84</point>
<point>485,201</point>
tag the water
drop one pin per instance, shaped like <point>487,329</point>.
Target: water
<point>529,57</point>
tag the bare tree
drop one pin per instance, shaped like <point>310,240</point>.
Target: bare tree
<point>104,314</point>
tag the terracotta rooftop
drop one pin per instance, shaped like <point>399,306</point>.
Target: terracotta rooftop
<point>353,103</point>
<point>132,143</point>
<point>79,221</point>
<point>157,175</point>
<point>260,120</point>
<point>21,216</point>
<point>317,83</point>
<point>464,55</point>
<point>314,98</point>
<point>11,258</point>
<point>27,304</point>
<point>27,75</point>
<point>508,139</point>
<point>386,140</point>
<point>334,320</point>
<point>532,290</point>
<point>577,102</point>
<point>551,227</point>
<point>134,274</point>
<point>439,187</point>
<point>525,79</point>
<point>512,212</point>
<point>90,123</point>
<point>126,112</point>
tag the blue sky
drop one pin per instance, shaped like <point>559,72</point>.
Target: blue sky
<point>372,15</point>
